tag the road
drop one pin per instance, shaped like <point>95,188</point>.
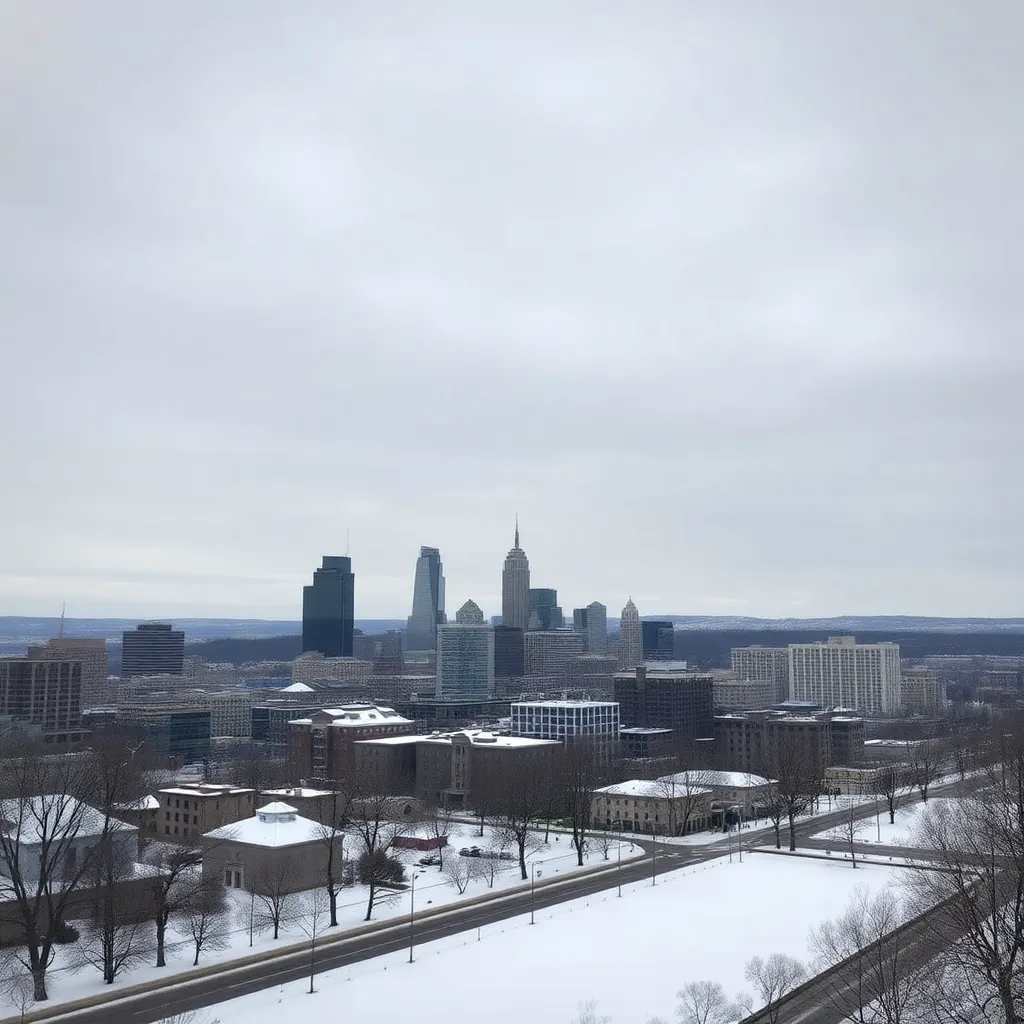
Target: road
<point>184,993</point>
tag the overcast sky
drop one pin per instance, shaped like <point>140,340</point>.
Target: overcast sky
<point>725,300</point>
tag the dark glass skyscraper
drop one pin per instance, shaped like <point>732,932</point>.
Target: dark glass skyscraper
<point>427,602</point>
<point>152,648</point>
<point>544,610</point>
<point>508,652</point>
<point>328,609</point>
<point>658,640</point>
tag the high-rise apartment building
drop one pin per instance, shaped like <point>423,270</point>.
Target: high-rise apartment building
<point>842,673</point>
<point>427,601</point>
<point>152,649</point>
<point>763,664</point>
<point>45,694</point>
<point>465,661</point>
<point>515,587</point>
<point>548,652</point>
<point>597,628</point>
<point>328,609</point>
<point>470,614</point>
<point>921,690</point>
<point>509,660</point>
<point>92,653</point>
<point>544,610</point>
<point>631,648</point>
<point>658,638</point>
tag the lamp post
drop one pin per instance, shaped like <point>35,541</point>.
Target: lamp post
<point>533,885</point>
<point>618,870</point>
<point>412,915</point>
<point>654,855</point>
<point>878,821</point>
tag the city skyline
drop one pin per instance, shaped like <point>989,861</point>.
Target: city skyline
<point>682,289</point>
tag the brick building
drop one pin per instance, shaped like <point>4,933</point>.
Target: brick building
<point>187,812</point>
<point>666,696</point>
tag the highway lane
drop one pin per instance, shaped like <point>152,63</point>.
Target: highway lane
<point>181,994</point>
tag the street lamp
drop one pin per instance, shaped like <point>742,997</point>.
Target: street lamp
<point>533,884</point>
<point>618,870</point>
<point>412,914</point>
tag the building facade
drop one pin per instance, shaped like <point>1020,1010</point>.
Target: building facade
<point>315,668</point>
<point>658,640</point>
<point>567,721</point>
<point>631,645</point>
<point>152,649</point>
<point>45,694</point>
<point>465,661</point>
<point>921,690</point>
<point>664,696</point>
<point>180,732</point>
<point>427,601</point>
<point>841,673</point>
<point>186,812</point>
<point>509,652</point>
<point>763,664</point>
<point>515,587</point>
<point>743,695</point>
<point>328,609</point>
<point>545,612</point>
<point>469,615</point>
<point>597,628</point>
<point>548,652</point>
<point>92,653</point>
<point>652,806</point>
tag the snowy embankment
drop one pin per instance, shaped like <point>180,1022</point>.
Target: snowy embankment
<point>630,955</point>
<point>555,859</point>
<point>904,832</point>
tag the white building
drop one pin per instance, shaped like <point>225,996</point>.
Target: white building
<point>763,664</point>
<point>631,640</point>
<point>567,720</point>
<point>841,673</point>
<point>465,661</point>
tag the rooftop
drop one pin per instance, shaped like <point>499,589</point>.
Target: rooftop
<point>350,716</point>
<point>645,788</point>
<point>276,825</point>
<point>565,703</point>
<point>39,819</point>
<point>478,737</point>
<point>721,780</point>
<point>205,790</point>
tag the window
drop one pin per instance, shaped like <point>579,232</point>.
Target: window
<point>167,830</point>
<point>227,877</point>
<point>195,819</point>
<point>167,815</point>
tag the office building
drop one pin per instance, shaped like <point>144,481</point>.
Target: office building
<point>544,610</point>
<point>631,648</point>
<point>569,721</point>
<point>841,673</point>
<point>427,601</point>
<point>664,695</point>
<point>579,624</point>
<point>465,661</point>
<point>187,812</point>
<point>152,649</point>
<point>92,653</point>
<point>271,719</point>
<point>921,690</point>
<point>515,587</point>
<point>328,609</point>
<point>548,652</point>
<point>181,732</point>
<point>470,615</point>
<point>658,639</point>
<point>44,694</point>
<point>597,628</point>
<point>743,694</point>
<point>592,674</point>
<point>315,668</point>
<point>509,652</point>
<point>763,664</point>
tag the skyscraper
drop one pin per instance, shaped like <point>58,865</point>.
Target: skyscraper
<point>328,609</point>
<point>465,662</point>
<point>427,601</point>
<point>631,646</point>
<point>544,610</point>
<point>595,625</point>
<point>469,614</point>
<point>843,673</point>
<point>152,649</point>
<point>92,653</point>
<point>515,587</point>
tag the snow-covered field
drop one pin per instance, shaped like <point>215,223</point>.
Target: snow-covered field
<point>901,833</point>
<point>555,859</point>
<point>630,955</point>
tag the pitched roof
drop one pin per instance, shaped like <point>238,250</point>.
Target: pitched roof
<point>275,825</point>
<point>40,818</point>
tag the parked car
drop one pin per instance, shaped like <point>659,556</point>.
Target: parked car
<point>429,861</point>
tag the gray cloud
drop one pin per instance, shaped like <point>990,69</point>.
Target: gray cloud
<point>723,301</point>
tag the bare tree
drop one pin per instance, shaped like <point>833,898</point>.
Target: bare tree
<point>46,847</point>
<point>438,818</point>
<point>604,840</point>
<point>520,798</point>
<point>579,775</point>
<point>190,1017</point>
<point>849,830</point>
<point>686,793</point>
<point>977,842</point>
<point>376,819</point>
<point>792,768</point>
<point>381,873</point>
<point>206,919</point>
<point>704,1002</point>
<point>112,947</point>
<point>586,1013</point>
<point>176,885</point>
<point>892,785</point>
<point>314,913</point>
<point>775,811</point>
<point>15,983</point>
<point>773,980</point>
<point>925,763</point>
<point>460,871</point>
<point>333,812</point>
<point>273,894</point>
<point>880,981</point>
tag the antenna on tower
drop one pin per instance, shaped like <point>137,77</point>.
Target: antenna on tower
<point>63,608</point>
<point>346,542</point>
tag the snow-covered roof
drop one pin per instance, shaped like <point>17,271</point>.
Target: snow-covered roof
<point>350,716</point>
<point>147,803</point>
<point>647,788</point>
<point>39,818</point>
<point>205,790</point>
<point>302,792</point>
<point>719,780</point>
<point>483,737</point>
<point>278,824</point>
<point>297,688</point>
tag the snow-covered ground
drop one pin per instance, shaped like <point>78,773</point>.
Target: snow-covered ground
<point>555,859</point>
<point>901,833</point>
<point>630,955</point>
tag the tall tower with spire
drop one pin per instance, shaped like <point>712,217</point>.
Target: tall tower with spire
<point>515,587</point>
<point>631,641</point>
